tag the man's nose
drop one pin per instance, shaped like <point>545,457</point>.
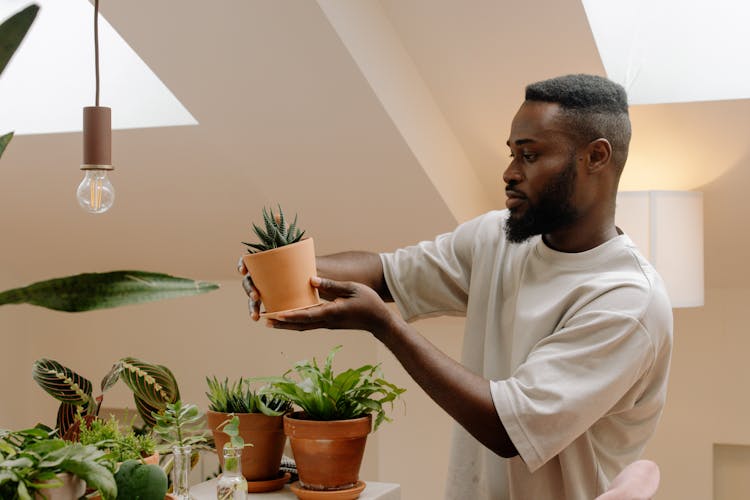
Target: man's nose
<point>512,173</point>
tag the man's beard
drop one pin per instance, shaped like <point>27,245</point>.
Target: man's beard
<point>553,211</point>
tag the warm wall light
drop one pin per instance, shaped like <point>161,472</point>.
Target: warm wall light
<point>667,226</point>
<point>95,193</point>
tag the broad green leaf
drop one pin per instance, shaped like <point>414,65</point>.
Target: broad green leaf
<point>89,291</point>
<point>12,32</point>
<point>4,140</point>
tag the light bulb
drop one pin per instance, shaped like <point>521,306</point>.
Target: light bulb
<point>95,192</point>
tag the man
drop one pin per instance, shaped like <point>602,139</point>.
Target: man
<point>568,329</point>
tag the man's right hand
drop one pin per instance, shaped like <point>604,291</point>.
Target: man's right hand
<point>254,301</point>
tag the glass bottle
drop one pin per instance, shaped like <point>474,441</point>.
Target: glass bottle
<point>231,485</point>
<point>182,458</point>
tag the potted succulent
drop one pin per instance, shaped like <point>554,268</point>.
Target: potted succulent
<point>260,421</point>
<point>328,435</point>
<point>35,462</point>
<point>281,264</point>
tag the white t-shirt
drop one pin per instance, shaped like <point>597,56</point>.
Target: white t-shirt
<point>576,346</point>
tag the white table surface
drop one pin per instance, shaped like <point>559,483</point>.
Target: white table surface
<point>373,491</point>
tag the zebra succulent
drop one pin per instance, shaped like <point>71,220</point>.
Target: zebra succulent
<point>276,232</point>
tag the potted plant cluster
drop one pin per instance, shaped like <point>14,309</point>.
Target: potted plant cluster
<point>260,423</point>
<point>35,463</point>
<point>329,434</point>
<point>153,386</point>
<point>281,264</point>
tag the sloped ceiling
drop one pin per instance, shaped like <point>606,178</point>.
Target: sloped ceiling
<point>287,115</point>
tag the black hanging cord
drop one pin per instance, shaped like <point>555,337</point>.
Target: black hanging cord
<point>96,47</point>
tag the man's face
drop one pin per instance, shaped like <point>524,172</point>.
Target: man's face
<point>541,178</point>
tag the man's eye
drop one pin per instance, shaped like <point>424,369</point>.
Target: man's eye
<point>529,156</point>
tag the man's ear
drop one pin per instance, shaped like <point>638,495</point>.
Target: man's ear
<point>599,154</point>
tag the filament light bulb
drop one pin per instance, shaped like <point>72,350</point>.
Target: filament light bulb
<point>95,193</point>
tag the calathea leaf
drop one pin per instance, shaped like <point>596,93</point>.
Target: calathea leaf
<point>61,382</point>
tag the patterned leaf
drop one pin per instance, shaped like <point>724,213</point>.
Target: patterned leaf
<point>61,382</point>
<point>153,384</point>
<point>85,292</point>
<point>145,409</point>
<point>112,377</point>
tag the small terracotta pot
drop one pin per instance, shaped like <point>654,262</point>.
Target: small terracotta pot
<point>262,460</point>
<point>282,276</point>
<point>328,454</point>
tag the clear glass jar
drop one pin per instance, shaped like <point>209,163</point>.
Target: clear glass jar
<point>232,485</point>
<point>182,458</point>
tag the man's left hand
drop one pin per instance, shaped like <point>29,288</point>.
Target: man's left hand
<point>354,307</point>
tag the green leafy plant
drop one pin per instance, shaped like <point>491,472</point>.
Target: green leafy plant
<point>31,459</point>
<point>239,397</point>
<point>180,425</point>
<point>276,233</point>
<point>90,291</point>
<point>323,395</point>
<point>121,445</point>
<point>12,32</point>
<point>153,386</point>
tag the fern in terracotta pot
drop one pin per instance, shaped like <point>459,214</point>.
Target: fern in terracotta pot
<point>260,424</point>
<point>329,434</point>
<point>282,263</point>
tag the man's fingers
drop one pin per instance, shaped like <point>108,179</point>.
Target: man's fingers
<point>300,327</point>
<point>332,287</point>
<point>241,267</point>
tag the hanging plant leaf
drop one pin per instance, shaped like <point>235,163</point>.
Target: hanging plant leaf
<point>61,382</point>
<point>89,291</point>
<point>153,384</point>
<point>4,140</point>
<point>12,32</point>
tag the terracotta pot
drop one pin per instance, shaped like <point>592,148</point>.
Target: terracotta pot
<point>72,487</point>
<point>328,454</point>
<point>282,276</point>
<point>262,460</point>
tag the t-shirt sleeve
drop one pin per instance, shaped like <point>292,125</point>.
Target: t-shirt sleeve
<point>432,277</point>
<point>570,380</point>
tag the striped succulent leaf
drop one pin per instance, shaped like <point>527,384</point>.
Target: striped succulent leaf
<point>61,382</point>
<point>276,232</point>
<point>154,385</point>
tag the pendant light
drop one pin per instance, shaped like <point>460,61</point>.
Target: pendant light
<point>95,192</point>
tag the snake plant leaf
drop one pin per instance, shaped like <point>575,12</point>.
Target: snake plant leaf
<point>12,32</point>
<point>152,383</point>
<point>89,291</point>
<point>4,140</point>
<point>61,382</point>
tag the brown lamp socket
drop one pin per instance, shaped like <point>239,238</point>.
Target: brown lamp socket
<point>97,137</point>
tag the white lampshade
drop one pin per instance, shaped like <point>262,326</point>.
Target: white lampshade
<point>667,226</point>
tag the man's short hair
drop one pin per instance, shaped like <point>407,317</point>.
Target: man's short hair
<point>595,107</point>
